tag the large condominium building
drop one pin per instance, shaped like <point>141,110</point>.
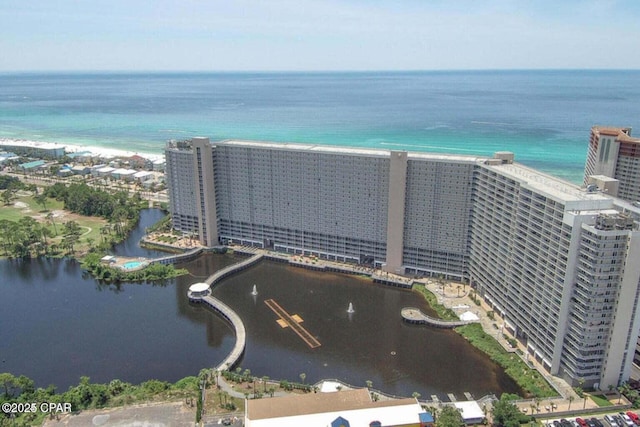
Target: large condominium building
<point>555,260</point>
<point>614,156</point>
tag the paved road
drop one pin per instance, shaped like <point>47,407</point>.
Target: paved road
<point>171,414</point>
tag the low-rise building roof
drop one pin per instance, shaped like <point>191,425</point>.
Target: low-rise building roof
<point>355,406</point>
<point>32,165</point>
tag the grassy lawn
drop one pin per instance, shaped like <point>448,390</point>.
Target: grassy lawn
<point>28,207</point>
<point>600,400</point>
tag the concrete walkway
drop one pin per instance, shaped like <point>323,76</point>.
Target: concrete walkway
<point>457,297</point>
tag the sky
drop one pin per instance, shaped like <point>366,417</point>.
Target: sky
<point>318,35</point>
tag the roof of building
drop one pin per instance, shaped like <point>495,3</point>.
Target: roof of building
<point>32,144</point>
<point>142,174</point>
<point>426,417</point>
<point>553,187</point>
<point>359,151</point>
<point>106,169</point>
<point>621,133</point>
<point>123,171</point>
<point>79,154</point>
<point>355,406</point>
<point>199,287</point>
<point>469,410</point>
<point>31,165</point>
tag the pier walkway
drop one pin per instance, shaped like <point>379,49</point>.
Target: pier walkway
<point>227,271</point>
<point>241,335</point>
<point>227,313</point>
<point>417,317</point>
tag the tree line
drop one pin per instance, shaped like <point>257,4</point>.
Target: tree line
<point>29,238</point>
<point>86,395</point>
<point>88,201</point>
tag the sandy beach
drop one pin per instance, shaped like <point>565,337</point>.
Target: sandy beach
<point>71,148</point>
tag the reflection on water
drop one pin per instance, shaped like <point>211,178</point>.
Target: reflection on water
<point>371,344</point>
<point>58,324</point>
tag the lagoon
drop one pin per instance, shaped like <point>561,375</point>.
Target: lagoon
<point>59,324</point>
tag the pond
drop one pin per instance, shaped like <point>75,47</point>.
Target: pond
<point>58,324</point>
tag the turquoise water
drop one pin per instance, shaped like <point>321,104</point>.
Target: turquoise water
<point>130,265</point>
<point>542,116</point>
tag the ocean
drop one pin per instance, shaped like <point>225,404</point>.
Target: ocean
<point>542,116</point>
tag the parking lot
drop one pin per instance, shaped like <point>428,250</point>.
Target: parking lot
<point>620,419</point>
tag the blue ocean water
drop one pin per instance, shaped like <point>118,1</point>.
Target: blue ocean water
<point>542,116</point>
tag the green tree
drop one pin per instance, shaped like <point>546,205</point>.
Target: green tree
<point>8,196</point>
<point>71,234</point>
<point>571,399</point>
<point>41,199</point>
<point>50,220</point>
<point>506,413</point>
<point>449,417</point>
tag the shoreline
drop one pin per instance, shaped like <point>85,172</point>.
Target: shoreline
<point>103,152</point>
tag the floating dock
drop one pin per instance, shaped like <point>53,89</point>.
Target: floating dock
<point>292,321</point>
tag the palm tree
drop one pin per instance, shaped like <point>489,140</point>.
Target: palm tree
<point>50,220</point>
<point>41,199</point>
<point>571,398</point>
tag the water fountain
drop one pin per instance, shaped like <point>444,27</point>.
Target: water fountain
<point>350,310</point>
<point>254,292</point>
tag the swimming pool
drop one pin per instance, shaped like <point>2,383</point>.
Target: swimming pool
<point>132,265</point>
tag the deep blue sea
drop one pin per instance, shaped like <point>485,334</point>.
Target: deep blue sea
<point>543,116</point>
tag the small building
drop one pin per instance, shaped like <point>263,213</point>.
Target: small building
<point>142,176</point>
<point>158,165</point>
<point>31,167</point>
<point>80,156</point>
<point>81,170</point>
<point>139,162</point>
<point>103,172</point>
<point>108,259</point>
<point>8,156</point>
<point>426,420</point>
<point>199,290</point>
<point>64,171</point>
<point>471,412</point>
<point>123,174</point>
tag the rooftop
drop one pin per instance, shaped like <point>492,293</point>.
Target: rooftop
<point>552,187</point>
<point>359,151</point>
<point>355,406</point>
<point>621,133</point>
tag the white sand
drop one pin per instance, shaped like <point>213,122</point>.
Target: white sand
<point>70,148</point>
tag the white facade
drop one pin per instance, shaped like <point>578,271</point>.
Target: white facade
<point>531,245</point>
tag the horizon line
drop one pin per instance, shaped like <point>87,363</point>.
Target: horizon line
<point>310,71</point>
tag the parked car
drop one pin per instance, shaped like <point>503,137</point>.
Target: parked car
<point>627,420</point>
<point>582,423</point>
<point>634,417</point>
<point>611,420</point>
<point>597,422</point>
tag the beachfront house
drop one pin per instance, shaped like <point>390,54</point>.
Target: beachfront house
<point>123,174</point>
<point>142,176</point>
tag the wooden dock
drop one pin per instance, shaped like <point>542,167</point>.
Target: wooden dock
<point>293,321</point>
